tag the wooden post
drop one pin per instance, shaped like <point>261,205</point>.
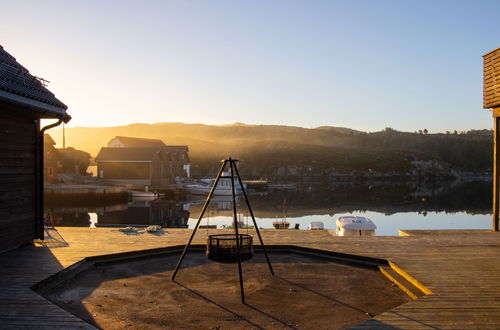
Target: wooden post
<point>496,163</point>
<point>491,100</point>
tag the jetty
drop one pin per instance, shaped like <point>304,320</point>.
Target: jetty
<point>457,270</point>
<point>64,192</point>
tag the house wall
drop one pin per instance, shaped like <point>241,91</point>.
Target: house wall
<point>115,143</point>
<point>124,170</point>
<point>172,166</point>
<point>17,178</point>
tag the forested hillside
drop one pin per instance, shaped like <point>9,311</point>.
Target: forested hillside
<point>269,150</point>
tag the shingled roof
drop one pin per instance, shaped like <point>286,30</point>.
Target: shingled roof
<point>133,142</point>
<point>19,86</point>
<point>137,154</point>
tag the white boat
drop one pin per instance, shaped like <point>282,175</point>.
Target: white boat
<point>355,226</point>
<point>145,195</point>
<point>316,225</point>
<point>225,180</point>
<point>223,187</point>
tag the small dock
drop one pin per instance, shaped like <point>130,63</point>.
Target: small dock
<point>63,192</point>
<point>461,269</point>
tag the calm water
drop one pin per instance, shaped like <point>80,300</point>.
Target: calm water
<point>392,206</point>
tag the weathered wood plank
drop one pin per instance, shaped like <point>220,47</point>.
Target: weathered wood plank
<point>491,79</point>
<point>462,270</point>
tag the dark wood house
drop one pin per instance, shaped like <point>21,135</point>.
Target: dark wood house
<point>24,101</point>
<point>150,164</point>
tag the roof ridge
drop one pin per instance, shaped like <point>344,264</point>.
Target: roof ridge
<point>17,80</point>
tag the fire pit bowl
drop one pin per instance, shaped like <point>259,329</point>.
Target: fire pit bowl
<point>223,247</point>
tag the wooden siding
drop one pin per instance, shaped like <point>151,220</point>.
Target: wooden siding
<point>125,170</point>
<point>160,171</point>
<point>491,91</point>
<point>17,179</point>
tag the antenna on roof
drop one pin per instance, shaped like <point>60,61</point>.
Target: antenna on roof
<point>44,82</point>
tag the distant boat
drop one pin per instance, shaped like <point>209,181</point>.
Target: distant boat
<point>316,225</point>
<point>355,226</point>
<point>146,195</point>
<point>223,187</point>
<point>282,224</point>
<point>204,189</point>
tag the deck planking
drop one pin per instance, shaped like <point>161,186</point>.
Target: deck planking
<point>461,268</point>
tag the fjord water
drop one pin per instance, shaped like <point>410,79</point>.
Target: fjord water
<point>391,205</point>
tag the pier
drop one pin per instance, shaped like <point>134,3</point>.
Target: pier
<point>460,270</point>
<point>59,193</point>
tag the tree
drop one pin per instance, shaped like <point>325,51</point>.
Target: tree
<point>74,161</point>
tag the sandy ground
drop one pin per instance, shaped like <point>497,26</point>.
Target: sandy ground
<point>306,293</point>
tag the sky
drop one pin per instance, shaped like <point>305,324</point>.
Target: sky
<point>363,64</point>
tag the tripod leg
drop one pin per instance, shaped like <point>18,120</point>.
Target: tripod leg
<point>253,219</point>
<point>199,220</point>
<point>235,221</point>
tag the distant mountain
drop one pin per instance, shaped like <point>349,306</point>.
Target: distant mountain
<point>275,150</point>
<point>200,137</point>
<point>342,130</point>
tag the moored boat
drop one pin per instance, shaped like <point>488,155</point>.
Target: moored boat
<point>355,226</point>
<point>316,225</point>
<point>281,224</point>
<point>223,188</point>
<point>147,195</point>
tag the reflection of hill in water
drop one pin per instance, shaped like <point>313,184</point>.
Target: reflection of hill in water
<point>449,196</point>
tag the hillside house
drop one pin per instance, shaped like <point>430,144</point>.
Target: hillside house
<point>24,101</point>
<point>143,162</point>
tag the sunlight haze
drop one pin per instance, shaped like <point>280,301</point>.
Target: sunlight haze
<point>366,65</point>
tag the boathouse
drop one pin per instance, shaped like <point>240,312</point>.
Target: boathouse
<point>142,162</point>
<point>24,101</point>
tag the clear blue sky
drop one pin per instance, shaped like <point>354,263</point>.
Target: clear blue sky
<point>366,65</point>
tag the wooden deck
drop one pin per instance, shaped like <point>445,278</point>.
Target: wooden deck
<point>462,268</point>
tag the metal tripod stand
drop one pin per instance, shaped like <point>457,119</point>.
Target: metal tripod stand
<point>234,174</point>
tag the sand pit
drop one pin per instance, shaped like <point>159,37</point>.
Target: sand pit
<point>306,293</point>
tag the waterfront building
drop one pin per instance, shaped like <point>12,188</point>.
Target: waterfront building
<point>24,102</point>
<point>142,162</point>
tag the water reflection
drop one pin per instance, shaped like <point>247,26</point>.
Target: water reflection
<point>408,202</point>
<point>165,213</point>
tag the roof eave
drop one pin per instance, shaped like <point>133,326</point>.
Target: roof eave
<point>45,109</point>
